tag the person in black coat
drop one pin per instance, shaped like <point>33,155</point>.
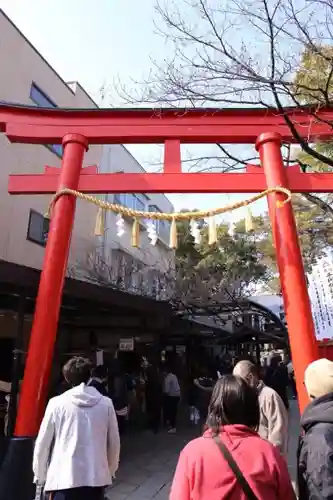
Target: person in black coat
<point>119,394</point>
<point>154,397</point>
<point>99,380</point>
<point>315,451</point>
<point>277,378</point>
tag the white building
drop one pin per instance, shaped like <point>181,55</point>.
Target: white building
<point>147,269</point>
<point>27,78</point>
<point>321,295</point>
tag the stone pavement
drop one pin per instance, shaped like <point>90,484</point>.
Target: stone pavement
<point>147,465</point>
<point>148,461</point>
<point>293,439</point>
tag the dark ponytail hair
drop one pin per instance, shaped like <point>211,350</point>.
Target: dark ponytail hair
<point>233,402</point>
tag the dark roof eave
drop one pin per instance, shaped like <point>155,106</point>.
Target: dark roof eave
<point>26,278</point>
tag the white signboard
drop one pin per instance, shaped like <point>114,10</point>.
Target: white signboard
<point>126,344</point>
<point>99,358</point>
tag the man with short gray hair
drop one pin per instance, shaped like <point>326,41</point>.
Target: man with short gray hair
<point>273,414</point>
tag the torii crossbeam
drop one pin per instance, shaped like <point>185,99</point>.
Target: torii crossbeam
<point>173,182</point>
<point>76,129</point>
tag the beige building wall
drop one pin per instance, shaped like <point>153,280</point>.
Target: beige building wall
<point>21,65</point>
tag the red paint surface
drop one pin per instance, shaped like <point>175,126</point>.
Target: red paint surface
<point>252,182</point>
<point>297,306</point>
<point>326,349</point>
<point>90,170</point>
<point>128,126</point>
<point>44,330</point>
<point>172,157</point>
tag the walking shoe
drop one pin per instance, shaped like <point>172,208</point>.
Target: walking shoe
<point>172,431</point>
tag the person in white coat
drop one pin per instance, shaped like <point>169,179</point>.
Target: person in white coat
<point>171,398</point>
<point>77,450</point>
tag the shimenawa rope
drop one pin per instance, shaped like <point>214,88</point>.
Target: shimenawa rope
<point>173,217</point>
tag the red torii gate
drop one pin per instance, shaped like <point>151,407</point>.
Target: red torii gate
<point>76,129</point>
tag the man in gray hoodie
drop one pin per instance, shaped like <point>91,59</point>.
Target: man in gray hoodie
<point>273,414</point>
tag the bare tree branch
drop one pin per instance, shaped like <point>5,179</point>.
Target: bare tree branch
<point>240,53</point>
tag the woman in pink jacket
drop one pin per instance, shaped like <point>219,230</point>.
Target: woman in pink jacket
<point>204,471</point>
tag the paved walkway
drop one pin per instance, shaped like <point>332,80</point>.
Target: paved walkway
<point>293,440</point>
<point>147,465</point>
<point>148,462</point>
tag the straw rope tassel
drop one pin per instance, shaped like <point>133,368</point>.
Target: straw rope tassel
<point>135,232</point>
<point>198,215</point>
<point>249,221</point>
<point>173,234</point>
<point>173,217</point>
<point>212,232</point>
<point>99,225</point>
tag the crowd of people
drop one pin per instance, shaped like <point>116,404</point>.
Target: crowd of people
<point>241,453</point>
<point>146,392</point>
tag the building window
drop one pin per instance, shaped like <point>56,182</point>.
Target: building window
<point>140,202</point>
<point>38,228</point>
<point>40,98</point>
<point>55,148</point>
<point>154,208</point>
<point>130,200</point>
<point>162,226</point>
<point>164,229</point>
<point>43,101</point>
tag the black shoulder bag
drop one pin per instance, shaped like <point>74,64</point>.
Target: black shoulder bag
<point>235,469</point>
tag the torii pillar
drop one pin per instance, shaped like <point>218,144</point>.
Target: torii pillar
<point>16,481</point>
<point>302,338</point>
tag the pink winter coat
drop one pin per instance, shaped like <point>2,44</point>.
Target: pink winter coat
<point>203,474</point>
